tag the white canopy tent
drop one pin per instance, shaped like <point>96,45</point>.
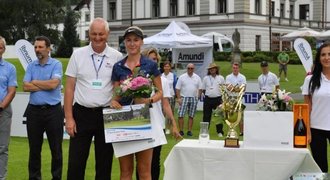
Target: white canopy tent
<point>173,36</point>
<point>186,47</point>
<point>325,35</point>
<point>218,38</point>
<point>301,32</point>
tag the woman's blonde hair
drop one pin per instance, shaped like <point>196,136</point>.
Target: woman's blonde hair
<point>146,52</point>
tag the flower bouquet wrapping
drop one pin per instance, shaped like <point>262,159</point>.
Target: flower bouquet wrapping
<point>279,100</point>
<point>138,85</point>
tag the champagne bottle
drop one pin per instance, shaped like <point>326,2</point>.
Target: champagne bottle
<point>300,132</point>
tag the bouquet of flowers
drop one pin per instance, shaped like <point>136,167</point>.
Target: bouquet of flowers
<point>277,101</point>
<point>138,85</point>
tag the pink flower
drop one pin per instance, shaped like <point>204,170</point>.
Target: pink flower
<point>139,82</point>
<point>287,98</point>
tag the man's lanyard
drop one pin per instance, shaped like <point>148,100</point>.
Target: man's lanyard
<point>211,80</point>
<point>98,69</point>
<point>264,80</point>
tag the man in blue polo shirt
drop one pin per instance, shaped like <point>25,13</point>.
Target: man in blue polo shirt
<point>44,112</point>
<point>8,84</point>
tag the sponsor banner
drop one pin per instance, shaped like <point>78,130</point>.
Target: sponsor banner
<point>25,52</point>
<point>201,57</point>
<point>304,52</point>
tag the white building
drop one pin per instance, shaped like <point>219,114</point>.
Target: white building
<point>260,22</point>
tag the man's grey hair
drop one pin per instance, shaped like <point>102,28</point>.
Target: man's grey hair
<point>3,40</point>
<point>99,19</point>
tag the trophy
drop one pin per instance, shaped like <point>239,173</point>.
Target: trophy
<point>232,111</point>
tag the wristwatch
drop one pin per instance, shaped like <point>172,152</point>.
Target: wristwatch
<point>151,101</point>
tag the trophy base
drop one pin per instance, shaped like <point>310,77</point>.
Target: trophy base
<point>232,142</point>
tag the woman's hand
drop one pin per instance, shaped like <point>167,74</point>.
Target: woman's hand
<point>309,136</point>
<point>176,134</point>
<point>115,104</point>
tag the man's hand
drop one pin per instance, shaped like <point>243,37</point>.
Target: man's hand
<point>179,100</point>
<point>70,126</point>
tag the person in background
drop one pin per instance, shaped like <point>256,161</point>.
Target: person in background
<point>211,89</point>
<point>236,79</point>
<point>152,54</point>
<point>188,91</point>
<point>88,90</point>
<point>8,85</point>
<point>172,80</point>
<point>44,112</point>
<point>316,90</point>
<point>122,70</point>
<point>267,81</point>
<point>283,60</point>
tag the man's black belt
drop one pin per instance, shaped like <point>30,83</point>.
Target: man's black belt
<point>87,108</point>
<point>213,97</point>
<point>45,106</point>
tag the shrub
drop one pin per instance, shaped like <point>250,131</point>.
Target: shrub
<point>222,56</point>
<point>261,57</point>
<point>247,59</point>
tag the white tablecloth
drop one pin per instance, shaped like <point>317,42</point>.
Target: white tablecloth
<point>190,160</point>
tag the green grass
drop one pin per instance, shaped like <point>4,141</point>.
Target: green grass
<point>18,150</point>
<point>18,155</point>
<point>296,73</point>
<point>20,71</point>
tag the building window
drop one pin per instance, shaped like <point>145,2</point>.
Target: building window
<point>291,11</point>
<point>282,10</point>
<point>286,45</point>
<point>304,11</point>
<point>273,8</point>
<point>257,7</point>
<point>190,7</point>
<point>87,17</point>
<point>86,35</point>
<point>112,10</point>
<point>222,6</point>
<point>173,7</point>
<point>275,45</point>
<point>258,42</point>
<point>155,8</point>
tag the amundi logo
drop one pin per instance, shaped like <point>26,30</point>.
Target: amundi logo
<point>185,57</point>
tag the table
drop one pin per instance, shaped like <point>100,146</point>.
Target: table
<point>190,160</point>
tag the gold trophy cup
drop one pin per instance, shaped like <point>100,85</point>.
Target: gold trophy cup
<point>232,111</point>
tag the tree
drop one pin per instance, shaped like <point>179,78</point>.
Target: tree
<point>70,37</point>
<point>25,19</point>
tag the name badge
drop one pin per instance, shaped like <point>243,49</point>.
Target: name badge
<point>97,84</point>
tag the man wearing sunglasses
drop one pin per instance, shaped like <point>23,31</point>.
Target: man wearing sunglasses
<point>188,91</point>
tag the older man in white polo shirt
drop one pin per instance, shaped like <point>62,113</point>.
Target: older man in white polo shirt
<point>188,91</point>
<point>267,81</point>
<point>89,89</point>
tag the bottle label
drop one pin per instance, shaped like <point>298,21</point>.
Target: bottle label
<point>300,140</point>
